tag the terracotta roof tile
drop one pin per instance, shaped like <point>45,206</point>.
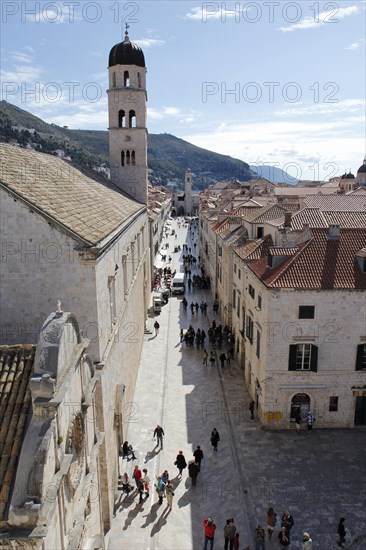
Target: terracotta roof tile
<point>345,203</point>
<point>16,369</point>
<point>81,200</point>
<point>320,263</point>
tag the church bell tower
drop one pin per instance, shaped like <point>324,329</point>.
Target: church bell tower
<point>127,119</point>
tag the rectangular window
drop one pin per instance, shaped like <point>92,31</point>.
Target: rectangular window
<point>303,357</point>
<point>259,302</point>
<point>333,404</point>
<point>251,291</point>
<point>234,268</point>
<point>238,306</point>
<point>234,298</point>
<point>258,344</point>
<point>361,357</point>
<point>239,274</point>
<point>249,329</point>
<point>260,232</point>
<point>306,312</point>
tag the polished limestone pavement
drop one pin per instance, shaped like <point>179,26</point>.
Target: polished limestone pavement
<point>318,477</point>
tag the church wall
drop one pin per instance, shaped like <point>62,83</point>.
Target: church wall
<point>40,266</point>
<point>122,343</point>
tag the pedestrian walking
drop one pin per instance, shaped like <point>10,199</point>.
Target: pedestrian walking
<point>205,356</point>
<point>193,472</point>
<point>160,489</point>
<point>169,493</point>
<point>229,534</point>
<point>310,419</point>
<point>251,408</point>
<point>307,543</point>
<point>236,541</point>
<point>156,327</point>
<point>341,532</point>
<point>137,475</point>
<point>124,480</point>
<point>165,476</point>
<point>287,521</point>
<point>298,422</point>
<point>146,481</point>
<point>159,433</point>
<point>209,529</point>
<point>271,521</point>
<point>212,358</point>
<point>260,537</point>
<point>215,438</point>
<point>198,456</point>
<point>180,462</point>
<point>140,489</point>
<point>283,538</point>
<point>222,359</point>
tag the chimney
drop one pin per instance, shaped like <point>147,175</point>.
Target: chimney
<point>288,217</point>
<point>333,232</point>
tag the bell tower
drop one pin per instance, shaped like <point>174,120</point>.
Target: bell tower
<point>188,192</point>
<point>127,98</point>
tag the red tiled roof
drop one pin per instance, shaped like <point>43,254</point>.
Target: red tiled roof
<point>315,217</point>
<point>16,369</point>
<point>345,203</point>
<point>320,263</point>
<point>254,250</point>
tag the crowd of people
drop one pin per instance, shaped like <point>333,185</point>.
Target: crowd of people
<point>231,535</point>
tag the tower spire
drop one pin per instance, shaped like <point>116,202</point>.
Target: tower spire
<point>127,38</point>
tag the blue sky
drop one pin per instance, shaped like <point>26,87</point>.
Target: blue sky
<point>273,82</point>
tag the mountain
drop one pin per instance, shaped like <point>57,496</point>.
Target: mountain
<point>273,174</point>
<point>168,156</point>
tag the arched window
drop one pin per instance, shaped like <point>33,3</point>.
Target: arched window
<point>121,119</point>
<point>133,158</point>
<point>132,119</point>
<point>139,80</point>
<point>126,78</point>
<point>122,158</point>
<point>128,158</point>
<point>114,84</point>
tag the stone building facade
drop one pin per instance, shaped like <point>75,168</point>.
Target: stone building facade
<point>300,326</point>
<point>50,463</point>
<point>67,236</point>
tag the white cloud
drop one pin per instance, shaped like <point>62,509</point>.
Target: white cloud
<point>334,15</point>
<point>204,13</point>
<point>149,42</point>
<point>22,74</point>
<point>63,13</point>
<point>322,108</point>
<point>355,45</point>
<point>336,141</point>
<point>22,57</point>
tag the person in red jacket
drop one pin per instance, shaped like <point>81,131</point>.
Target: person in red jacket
<point>210,528</point>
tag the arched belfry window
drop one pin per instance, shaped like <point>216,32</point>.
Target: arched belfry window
<point>121,119</point>
<point>122,158</point>
<point>132,119</point>
<point>114,83</point>
<point>133,158</point>
<point>139,80</point>
<point>126,78</point>
<point>128,158</point>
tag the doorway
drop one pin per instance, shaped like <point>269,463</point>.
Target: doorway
<point>300,403</point>
<point>360,411</point>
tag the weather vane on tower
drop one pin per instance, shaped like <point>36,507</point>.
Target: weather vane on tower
<point>126,31</point>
